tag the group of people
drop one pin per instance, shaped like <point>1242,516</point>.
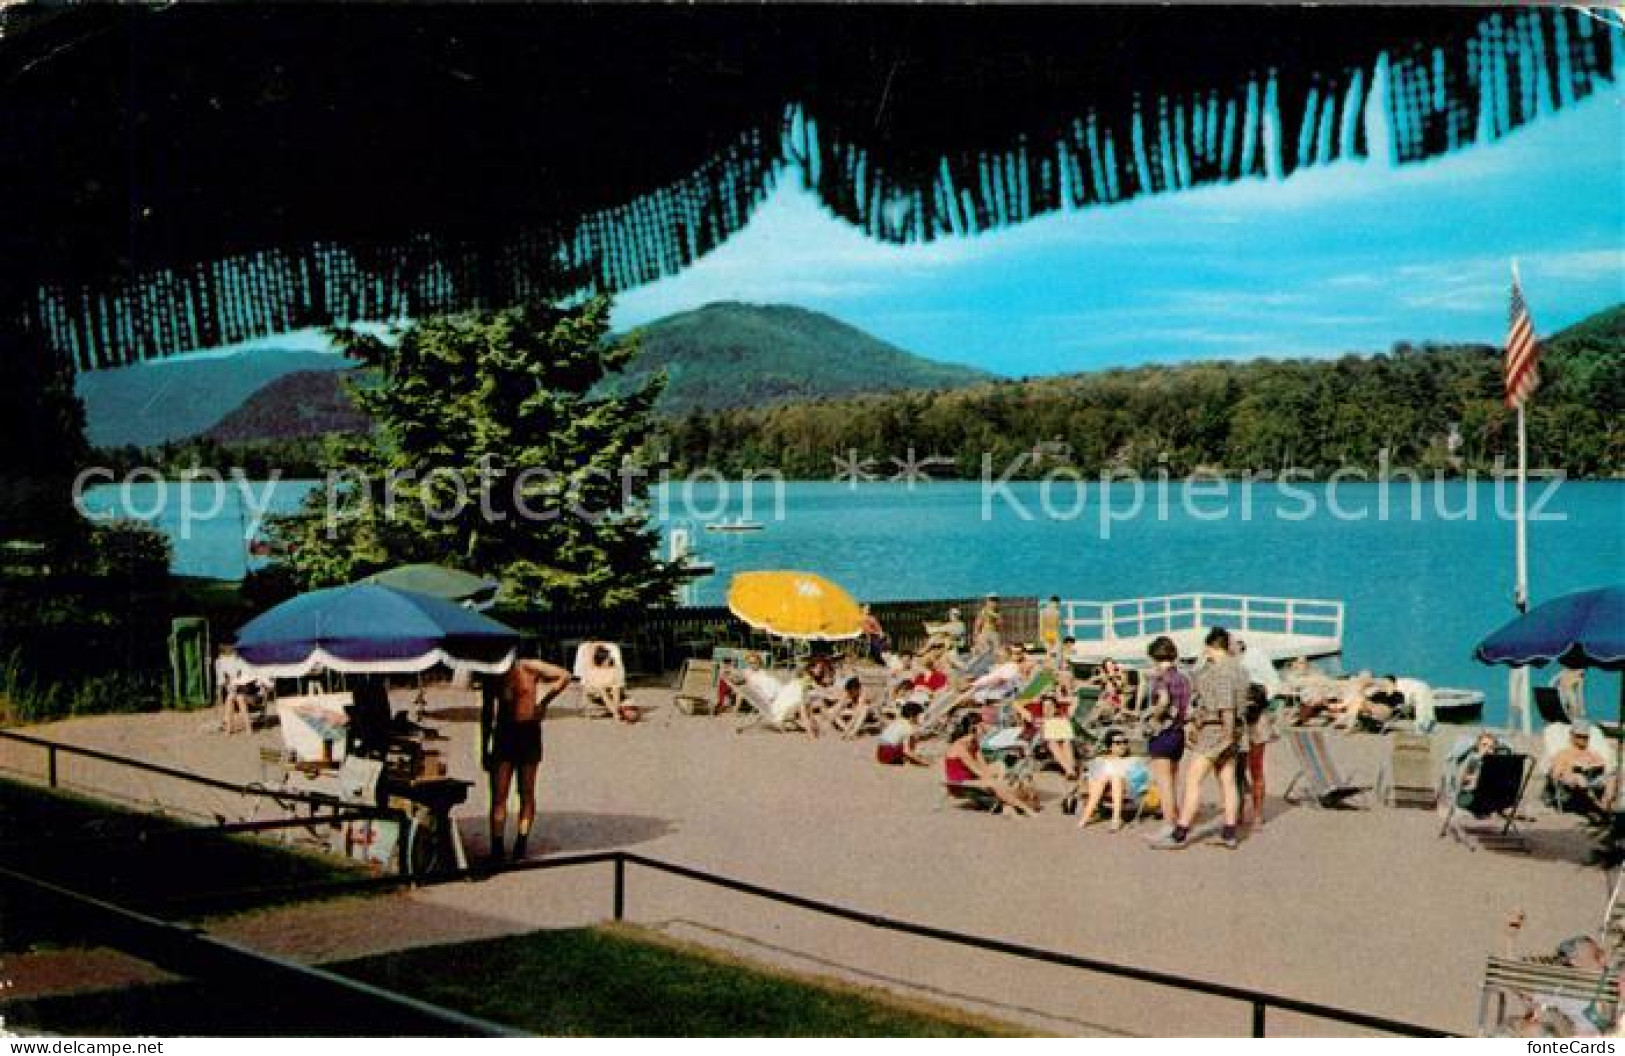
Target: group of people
<point>1005,712</point>
<point>1360,701</point>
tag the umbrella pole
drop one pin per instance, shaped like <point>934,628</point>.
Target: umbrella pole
<point>1619,744</point>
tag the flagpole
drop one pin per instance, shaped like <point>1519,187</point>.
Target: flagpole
<point>1519,688</point>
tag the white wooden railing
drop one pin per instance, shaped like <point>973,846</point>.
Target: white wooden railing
<point>1105,621</point>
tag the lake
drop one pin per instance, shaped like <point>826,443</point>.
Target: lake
<point>1422,584</point>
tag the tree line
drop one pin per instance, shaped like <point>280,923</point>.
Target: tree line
<point>1431,408</point>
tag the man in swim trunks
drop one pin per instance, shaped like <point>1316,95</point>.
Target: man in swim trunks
<point>512,708</point>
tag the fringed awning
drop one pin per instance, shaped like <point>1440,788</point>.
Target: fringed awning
<point>186,176</point>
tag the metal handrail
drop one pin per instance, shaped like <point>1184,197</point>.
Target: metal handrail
<point>314,799</point>
<point>1259,1001</point>
<point>143,941</point>
<point>191,952</point>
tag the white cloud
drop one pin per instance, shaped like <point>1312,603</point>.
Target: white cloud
<point>795,250</point>
<point>1583,265</point>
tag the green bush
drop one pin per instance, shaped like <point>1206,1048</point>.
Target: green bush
<point>27,697</point>
<point>131,555</point>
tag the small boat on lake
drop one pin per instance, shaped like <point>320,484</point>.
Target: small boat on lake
<point>737,524</point>
<point>697,567</point>
<point>1458,705</point>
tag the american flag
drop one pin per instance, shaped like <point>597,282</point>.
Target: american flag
<point>1523,351</point>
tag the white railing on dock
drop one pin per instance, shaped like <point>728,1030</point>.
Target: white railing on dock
<point>1106,621</point>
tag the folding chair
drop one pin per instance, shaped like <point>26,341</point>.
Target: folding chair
<point>1549,703</point>
<point>697,688</point>
<point>1408,781</point>
<point>775,704</point>
<point>938,714</point>
<point>877,685</point>
<point>1324,784</point>
<point>1613,917</point>
<point>1498,792</point>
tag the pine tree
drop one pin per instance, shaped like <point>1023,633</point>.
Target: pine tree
<point>495,450</point>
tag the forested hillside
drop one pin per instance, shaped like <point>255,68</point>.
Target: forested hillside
<point>1430,407</point>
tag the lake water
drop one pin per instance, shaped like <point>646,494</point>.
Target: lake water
<point>1422,584</point>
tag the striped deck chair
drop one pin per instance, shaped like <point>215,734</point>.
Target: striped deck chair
<point>1324,785</point>
<point>1042,681</point>
<point>1585,998</point>
<point>938,714</point>
<point>1408,779</point>
<point>1613,916</point>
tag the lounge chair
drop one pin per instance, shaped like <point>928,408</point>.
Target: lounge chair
<point>1549,703</point>
<point>938,714</point>
<point>1324,784</point>
<point>1005,752</point>
<point>1498,792</point>
<point>1408,780</point>
<point>1139,791</point>
<point>1613,915</point>
<point>1041,682</point>
<point>1555,738</point>
<point>1582,996</point>
<point>775,703</point>
<point>877,693</point>
<point>697,688</point>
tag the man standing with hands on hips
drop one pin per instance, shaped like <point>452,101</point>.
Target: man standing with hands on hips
<point>512,707</point>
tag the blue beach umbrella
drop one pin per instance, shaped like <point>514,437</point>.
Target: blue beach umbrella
<point>367,628</point>
<point>1583,629</point>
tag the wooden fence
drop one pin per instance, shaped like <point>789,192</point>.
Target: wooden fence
<point>658,641</point>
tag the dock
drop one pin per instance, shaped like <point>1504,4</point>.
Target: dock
<point>1281,628</point>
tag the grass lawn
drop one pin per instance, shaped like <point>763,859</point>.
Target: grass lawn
<point>617,981</point>
<point>598,982</point>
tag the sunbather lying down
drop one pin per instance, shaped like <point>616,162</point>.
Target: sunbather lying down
<point>1360,698</point>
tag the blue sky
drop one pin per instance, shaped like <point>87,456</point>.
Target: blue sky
<point>1351,257</point>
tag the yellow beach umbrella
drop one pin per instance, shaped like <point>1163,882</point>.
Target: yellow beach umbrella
<point>795,605</point>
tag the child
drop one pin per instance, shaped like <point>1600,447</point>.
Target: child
<point>896,745</point>
<point>851,709</point>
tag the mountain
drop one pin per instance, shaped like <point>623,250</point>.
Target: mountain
<point>171,399</point>
<point>742,355</point>
<point>1607,327</point>
<point>717,357</point>
<point>302,404</point>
